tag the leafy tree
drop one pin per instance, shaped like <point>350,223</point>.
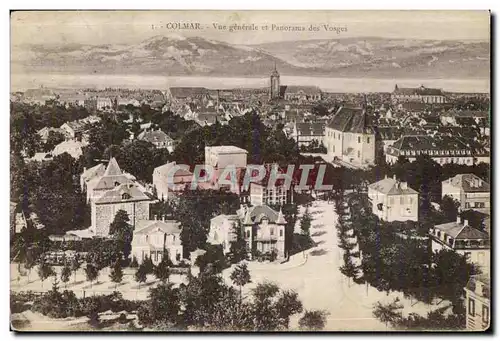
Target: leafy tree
<point>134,263</point>
<point>122,232</point>
<point>240,276</point>
<point>449,207</point>
<point>76,263</point>
<point>116,274</point>
<point>213,256</point>
<point>264,309</point>
<point>349,269</point>
<point>305,222</point>
<point>91,272</point>
<point>162,270</point>
<point>238,247</point>
<point>313,320</point>
<point>65,273</point>
<point>53,139</point>
<point>29,262</point>
<point>162,308</point>
<point>148,265</point>
<point>141,274</point>
<point>388,313</point>
<point>45,271</point>
<point>287,305</point>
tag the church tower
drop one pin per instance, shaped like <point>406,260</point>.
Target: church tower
<point>274,90</point>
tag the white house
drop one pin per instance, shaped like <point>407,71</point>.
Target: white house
<point>156,239</point>
<point>477,302</point>
<point>393,200</point>
<point>469,190</point>
<point>464,239</point>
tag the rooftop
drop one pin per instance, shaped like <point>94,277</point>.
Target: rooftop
<point>391,186</point>
<point>469,183</point>
<point>225,149</point>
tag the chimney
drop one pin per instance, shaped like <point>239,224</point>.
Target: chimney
<point>163,218</point>
<point>154,217</point>
<point>479,288</point>
<point>404,185</point>
<point>385,176</point>
<point>394,176</point>
<point>466,222</point>
<point>459,220</point>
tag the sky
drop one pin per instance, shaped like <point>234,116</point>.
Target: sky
<point>127,27</point>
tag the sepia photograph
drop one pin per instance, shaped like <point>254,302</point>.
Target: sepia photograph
<point>250,171</point>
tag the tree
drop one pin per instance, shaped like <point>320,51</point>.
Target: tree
<point>29,262</point>
<point>53,139</point>
<point>313,320</point>
<point>91,272</point>
<point>349,269</point>
<point>141,274</point>
<point>263,306</point>
<point>116,274</point>
<point>65,273</point>
<point>45,271</point>
<point>148,265</point>
<point>122,232</point>
<point>162,270</point>
<point>238,247</point>
<point>240,276</point>
<point>449,207</point>
<point>214,257</point>
<point>75,264</point>
<point>388,313</point>
<point>162,308</point>
<point>134,263</point>
<point>287,305</point>
<point>305,222</point>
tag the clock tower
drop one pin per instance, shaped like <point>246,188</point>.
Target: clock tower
<point>274,90</point>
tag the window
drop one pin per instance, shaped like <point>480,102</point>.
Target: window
<point>359,154</point>
<point>339,136</point>
<point>472,307</point>
<point>467,255</point>
<point>272,231</point>
<point>367,140</point>
<point>401,200</point>
<point>486,314</point>
<point>359,139</point>
<point>391,201</point>
<point>248,234</point>
<point>281,232</point>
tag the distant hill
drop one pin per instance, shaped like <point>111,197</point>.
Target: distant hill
<point>174,55</point>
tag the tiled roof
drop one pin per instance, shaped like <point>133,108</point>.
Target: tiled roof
<point>391,186</point>
<point>469,183</point>
<point>350,120</point>
<point>425,142</point>
<point>459,231</point>
<point>484,279</point>
<point>422,91</point>
<point>310,128</point>
<point>257,213</point>
<point>413,106</point>
<point>116,195</point>
<point>91,172</point>
<point>167,226</point>
<point>183,92</point>
<point>226,149</point>
<point>154,136</point>
<point>467,113</point>
<point>111,181</point>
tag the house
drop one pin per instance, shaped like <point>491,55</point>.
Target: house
<point>469,190</point>
<point>305,133</point>
<point>156,239</point>
<point>477,302</point>
<point>261,194</point>
<point>349,137</point>
<point>464,239</point>
<point>73,130</point>
<point>158,138</point>
<point>420,94</point>
<point>187,94</point>
<point>441,148</point>
<point>225,158</point>
<point>181,179</point>
<point>262,228</point>
<point>17,219</point>
<point>206,118</point>
<point>393,200</point>
<point>95,183</point>
<point>89,174</point>
<point>44,133</point>
<point>73,148</point>
<point>128,197</point>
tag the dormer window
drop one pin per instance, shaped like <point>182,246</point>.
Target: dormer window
<point>126,196</point>
<point>117,183</point>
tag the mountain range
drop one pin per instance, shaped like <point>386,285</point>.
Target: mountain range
<point>174,55</point>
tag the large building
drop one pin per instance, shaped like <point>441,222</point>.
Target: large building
<point>469,190</point>
<point>128,197</point>
<point>307,132</point>
<point>262,228</point>
<point>158,138</point>
<point>477,303</point>
<point>181,179</point>
<point>464,239</point>
<point>420,94</point>
<point>441,148</point>
<point>274,86</point>
<point>157,239</point>
<point>393,200</point>
<point>349,137</point>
